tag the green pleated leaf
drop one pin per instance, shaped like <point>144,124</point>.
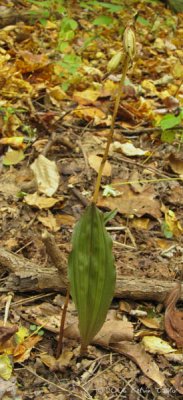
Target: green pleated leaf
<point>91,272</point>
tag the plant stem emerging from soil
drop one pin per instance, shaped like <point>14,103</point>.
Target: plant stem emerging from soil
<point>62,323</point>
<point>111,132</point>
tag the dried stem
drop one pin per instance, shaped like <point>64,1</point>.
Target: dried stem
<point>62,323</point>
<point>111,133</point>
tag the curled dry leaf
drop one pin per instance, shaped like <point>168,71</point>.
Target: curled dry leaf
<point>128,149</point>
<point>174,317</point>
<point>152,323</point>
<point>46,174</point>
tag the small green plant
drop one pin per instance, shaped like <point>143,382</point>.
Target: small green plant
<point>92,274</point>
<point>6,112</point>
<point>170,120</point>
<point>46,9</point>
<point>167,123</point>
<point>36,330</point>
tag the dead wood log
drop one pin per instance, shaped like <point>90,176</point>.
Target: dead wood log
<point>10,16</point>
<point>26,276</point>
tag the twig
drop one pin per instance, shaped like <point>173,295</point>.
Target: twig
<point>131,387</point>
<point>55,253</point>
<point>62,323</point>
<point>124,131</point>
<point>88,173</point>
<point>78,194</point>
<point>127,160</point>
<point>24,247</point>
<point>7,307</point>
<point>52,383</point>
<point>49,144</point>
<point>30,299</point>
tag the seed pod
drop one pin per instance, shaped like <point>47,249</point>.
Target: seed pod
<point>115,61</point>
<point>91,272</point>
<point>129,42</point>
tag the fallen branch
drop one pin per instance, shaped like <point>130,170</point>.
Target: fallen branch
<point>26,276</point>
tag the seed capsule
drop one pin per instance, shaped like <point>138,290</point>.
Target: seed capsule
<point>129,42</point>
<point>114,62</point>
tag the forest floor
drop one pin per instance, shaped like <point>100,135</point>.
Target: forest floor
<point>56,101</point>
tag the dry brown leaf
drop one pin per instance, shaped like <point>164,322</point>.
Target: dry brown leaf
<point>174,317</point>
<point>152,323</point>
<point>95,162</point>
<point>56,95</point>
<point>140,223</point>
<point>8,389</point>
<point>176,195</point>
<point>65,219</point>
<point>13,157</point>
<point>88,96</point>
<point>164,244</point>
<point>46,174</point>
<point>6,332</point>
<point>138,355</point>
<point>131,203</point>
<point>149,86</point>
<point>11,244</point>
<point>29,62</point>
<point>177,382</point>
<point>49,222</point>
<point>22,351</point>
<point>9,185</point>
<point>89,113</point>
<point>176,164</point>
<point>156,345</point>
<point>114,331</point>
<point>111,332</point>
<point>57,364</point>
<point>39,201</point>
<point>134,182</point>
<point>44,314</point>
<point>124,306</point>
<point>128,149</point>
<point>176,358</point>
